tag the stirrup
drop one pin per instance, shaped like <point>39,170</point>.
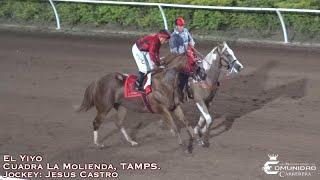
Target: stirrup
<point>141,90</point>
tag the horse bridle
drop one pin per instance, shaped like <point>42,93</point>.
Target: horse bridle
<point>230,64</point>
<point>213,89</point>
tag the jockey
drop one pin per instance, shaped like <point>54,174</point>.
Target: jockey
<point>146,54</point>
<point>181,42</point>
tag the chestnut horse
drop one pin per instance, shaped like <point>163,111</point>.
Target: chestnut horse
<point>107,93</point>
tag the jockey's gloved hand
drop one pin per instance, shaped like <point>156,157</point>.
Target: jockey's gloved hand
<point>160,63</point>
<point>162,67</point>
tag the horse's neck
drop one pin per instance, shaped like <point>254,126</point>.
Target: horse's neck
<point>174,60</point>
<point>175,63</point>
<point>213,69</point>
<point>167,77</point>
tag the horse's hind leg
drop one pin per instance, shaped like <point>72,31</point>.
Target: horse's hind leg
<point>96,124</point>
<point>122,114</point>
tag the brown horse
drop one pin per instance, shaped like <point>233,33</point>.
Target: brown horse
<point>107,93</point>
<point>203,92</point>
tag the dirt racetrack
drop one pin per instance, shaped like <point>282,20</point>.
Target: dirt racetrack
<point>272,107</point>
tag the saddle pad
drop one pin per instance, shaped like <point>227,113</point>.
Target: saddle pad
<point>129,91</point>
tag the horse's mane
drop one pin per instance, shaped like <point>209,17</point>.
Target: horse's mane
<point>168,58</point>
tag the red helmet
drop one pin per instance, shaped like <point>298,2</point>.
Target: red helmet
<point>180,22</point>
<point>164,33</point>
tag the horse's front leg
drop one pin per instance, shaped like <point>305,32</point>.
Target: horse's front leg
<point>162,122</point>
<point>197,129</point>
<point>180,115</point>
<point>204,116</point>
<point>170,122</point>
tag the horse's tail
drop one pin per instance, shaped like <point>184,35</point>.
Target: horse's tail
<point>87,102</point>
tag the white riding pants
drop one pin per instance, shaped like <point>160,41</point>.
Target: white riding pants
<point>143,60</point>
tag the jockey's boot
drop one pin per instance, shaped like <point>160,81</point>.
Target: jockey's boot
<point>182,84</point>
<point>139,83</point>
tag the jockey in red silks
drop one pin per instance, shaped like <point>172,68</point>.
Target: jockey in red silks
<point>181,42</point>
<point>146,54</point>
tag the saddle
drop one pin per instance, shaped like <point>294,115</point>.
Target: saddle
<point>129,91</point>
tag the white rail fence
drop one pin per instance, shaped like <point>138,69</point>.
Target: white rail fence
<point>160,5</point>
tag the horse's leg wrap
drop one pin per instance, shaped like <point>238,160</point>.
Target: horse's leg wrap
<point>205,130</point>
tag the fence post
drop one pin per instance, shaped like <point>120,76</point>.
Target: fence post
<point>283,27</point>
<point>55,13</point>
<point>163,17</point>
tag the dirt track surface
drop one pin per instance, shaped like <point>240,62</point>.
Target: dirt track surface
<point>272,107</point>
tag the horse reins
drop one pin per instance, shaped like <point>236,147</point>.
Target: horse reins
<point>218,84</point>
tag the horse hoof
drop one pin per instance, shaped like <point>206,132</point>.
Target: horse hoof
<point>184,146</point>
<point>200,142</point>
<point>189,149</point>
<point>173,133</point>
<point>206,144</point>
<point>134,143</point>
<point>100,146</point>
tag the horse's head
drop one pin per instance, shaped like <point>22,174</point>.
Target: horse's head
<point>220,57</point>
<point>228,59</point>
